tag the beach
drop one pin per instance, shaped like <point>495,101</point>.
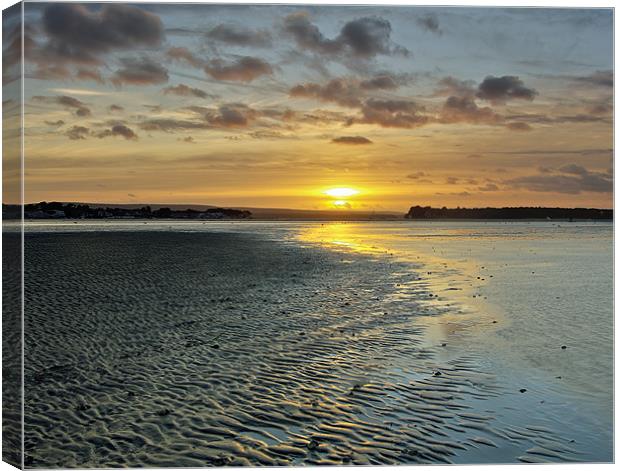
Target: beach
<point>188,345</point>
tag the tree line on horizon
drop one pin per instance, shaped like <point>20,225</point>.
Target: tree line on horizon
<point>428,212</point>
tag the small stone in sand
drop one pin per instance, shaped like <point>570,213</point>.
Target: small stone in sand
<point>437,373</point>
<point>164,412</point>
<point>522,390</point>
<point>443,344</point>
<point>313,444</point>
<point>563,347</point>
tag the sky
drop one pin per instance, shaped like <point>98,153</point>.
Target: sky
<point>271,106</point>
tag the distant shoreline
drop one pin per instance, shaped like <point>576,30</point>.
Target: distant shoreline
<point>96,211</point>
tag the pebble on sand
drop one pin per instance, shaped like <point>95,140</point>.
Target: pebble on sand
<point>522,390</point>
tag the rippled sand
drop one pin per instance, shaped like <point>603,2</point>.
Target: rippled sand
<point>197,349</point>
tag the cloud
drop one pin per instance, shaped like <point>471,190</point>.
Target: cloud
<point>188,140</point>
<point>114,107</point>
<point>519,126</point>
<point>140,71</point>
<point>239,36</point>
<point>465,110</point>
<point>392,114</point>
<point>77,34</point>
<point>308,36</point>
<point>451,86</point>
<point>186,91</point>
<point>452,180</point>
<point>245,69</point>
<point>363,38</point>
<point>88,74</point>
<point>77,133</point>
<point>182,54</point>
<point>352,140</point>
<point>119,130</point>
<point>380,82</point>
<point>499,90</point>
<point>58,123</point>
<point>170,125</point>
<point>230,115</point>
<point>417,175</point>
<point>65,101</point>
<point>367,37</point>
<point>233,115</point>
<point>340,91</point>
<point>429,22</point>
<point>489,187</point>
<point>601,78</point>
<point>569,179</point>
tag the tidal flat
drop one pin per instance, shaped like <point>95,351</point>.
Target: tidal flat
<point>229,347</point>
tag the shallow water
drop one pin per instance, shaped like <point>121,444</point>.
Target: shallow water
<point>487,304</point>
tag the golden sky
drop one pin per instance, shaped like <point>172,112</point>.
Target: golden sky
<point>270,106</point>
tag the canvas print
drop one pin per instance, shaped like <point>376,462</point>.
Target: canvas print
<point>296,234</point>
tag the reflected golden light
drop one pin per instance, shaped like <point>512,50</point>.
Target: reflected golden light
<point>342,236</point>
<point>341,192</point>
<point>340,203</point>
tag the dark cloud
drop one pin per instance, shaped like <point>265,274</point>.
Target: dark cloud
<point>574,169</point>
<point>570,179</point>
<point>77,34</point>
<point>352,140</point>
<point>140,71</point>
<point>77,133</point>
<point>417,175</point>
<point>501,89</point>
<point>80,108</point>
<point>380,82</point>
<point>118,130</point>
<point>429,22</point>
<point>89,74</point>
<point>465,110</point>
<point>186,91</point>
<point>452,180</point>
<point>171,125</point>
<point>450,86</point>
<point>518,126</point>
<point>488,187</point>
<point>367,37</point>
<point>115,108</point>
<point>232,115</point>
<point>392,114</point>
<point>341,91</point>
<point>600,78</point>
<point>58,123</point>
<point>245,69</point>
<point>602,108</point>
<point>182,54</point>
<point>363,38</point>
<point>51,72</point>
<point>188,140</point>
<point>239,36</point>
<point>308,36</point>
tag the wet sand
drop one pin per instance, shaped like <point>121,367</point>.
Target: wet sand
<point>212,349</point>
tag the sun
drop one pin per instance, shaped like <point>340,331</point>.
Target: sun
<point>341,192</point>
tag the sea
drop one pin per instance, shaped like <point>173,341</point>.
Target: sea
<point>531,302</point>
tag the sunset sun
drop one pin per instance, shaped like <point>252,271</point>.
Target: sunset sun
<point>341,192</point>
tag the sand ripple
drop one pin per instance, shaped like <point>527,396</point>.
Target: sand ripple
<point>181,349</point>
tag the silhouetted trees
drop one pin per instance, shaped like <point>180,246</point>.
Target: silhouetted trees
<point>427,212</point>
<point>56,210</point>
